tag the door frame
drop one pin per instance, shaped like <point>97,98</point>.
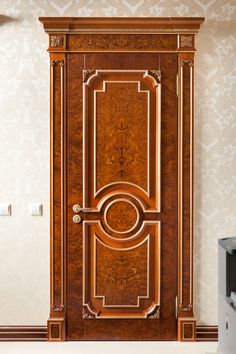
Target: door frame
<point>127,35</point>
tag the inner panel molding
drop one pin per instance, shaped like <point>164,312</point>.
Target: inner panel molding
<point>121,278</point>
<point>124,108</point>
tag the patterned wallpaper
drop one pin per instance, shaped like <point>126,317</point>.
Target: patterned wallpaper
<point>24,143</point>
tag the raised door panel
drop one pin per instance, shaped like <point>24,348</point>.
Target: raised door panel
<point>122,136</point>
<point>121,181</point>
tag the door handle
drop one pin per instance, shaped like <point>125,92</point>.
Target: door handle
<point>76,218</point>
<point>77,209</point>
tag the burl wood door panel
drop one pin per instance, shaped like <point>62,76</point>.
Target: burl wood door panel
<point>122,169</point>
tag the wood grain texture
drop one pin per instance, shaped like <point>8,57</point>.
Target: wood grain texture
<point>58,187</point>
<point>121,108</point>
<point>186,108</point>
<point>121,217</point>
<point>121,123</point>
<point>77,328</point>
<point>121,168</point>
<point>121,277</point>
<point>121,42</point>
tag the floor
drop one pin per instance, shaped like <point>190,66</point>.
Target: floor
<point>108,347</point>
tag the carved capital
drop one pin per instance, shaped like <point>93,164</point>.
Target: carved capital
<point>86,314</point>
<point>184,308</point>
<point>186,41</point>
<point>55,308</point>
<point>61,62</point>
<point>189,62</point>
<point>56,41</point>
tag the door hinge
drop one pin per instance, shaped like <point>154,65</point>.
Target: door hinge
<point>177,85</point>
<point>176,307</point>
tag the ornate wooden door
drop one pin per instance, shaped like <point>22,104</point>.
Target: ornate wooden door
<point>119,206</point>
<point>123,173</point>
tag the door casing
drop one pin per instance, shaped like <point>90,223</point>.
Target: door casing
<point>120,35</point>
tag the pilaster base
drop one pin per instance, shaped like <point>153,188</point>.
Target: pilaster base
<point>186,329</point>
<point>56,329</point>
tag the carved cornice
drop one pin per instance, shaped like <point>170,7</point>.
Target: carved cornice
<point>86,314</point>
<point>56,41</point>
<point>186,41</point>
<point>120,24</point>
<point>155,314</point>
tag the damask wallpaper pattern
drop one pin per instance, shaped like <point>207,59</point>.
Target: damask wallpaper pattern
<point>24,143</point>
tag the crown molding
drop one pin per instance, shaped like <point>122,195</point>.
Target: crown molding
<point>122,24</point>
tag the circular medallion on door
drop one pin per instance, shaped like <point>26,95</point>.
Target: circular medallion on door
<point>121,217</point>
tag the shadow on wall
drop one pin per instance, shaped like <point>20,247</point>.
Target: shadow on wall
<point>7,19</point>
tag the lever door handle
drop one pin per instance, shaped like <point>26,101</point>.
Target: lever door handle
<point>77,209</point>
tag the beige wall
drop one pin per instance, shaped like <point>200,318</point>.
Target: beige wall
<point>24,144</point>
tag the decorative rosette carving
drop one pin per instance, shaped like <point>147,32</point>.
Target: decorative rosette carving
<point>155,314</point>
<point>186,41</point>
<point>56,41</point>
<point>86,314</point>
